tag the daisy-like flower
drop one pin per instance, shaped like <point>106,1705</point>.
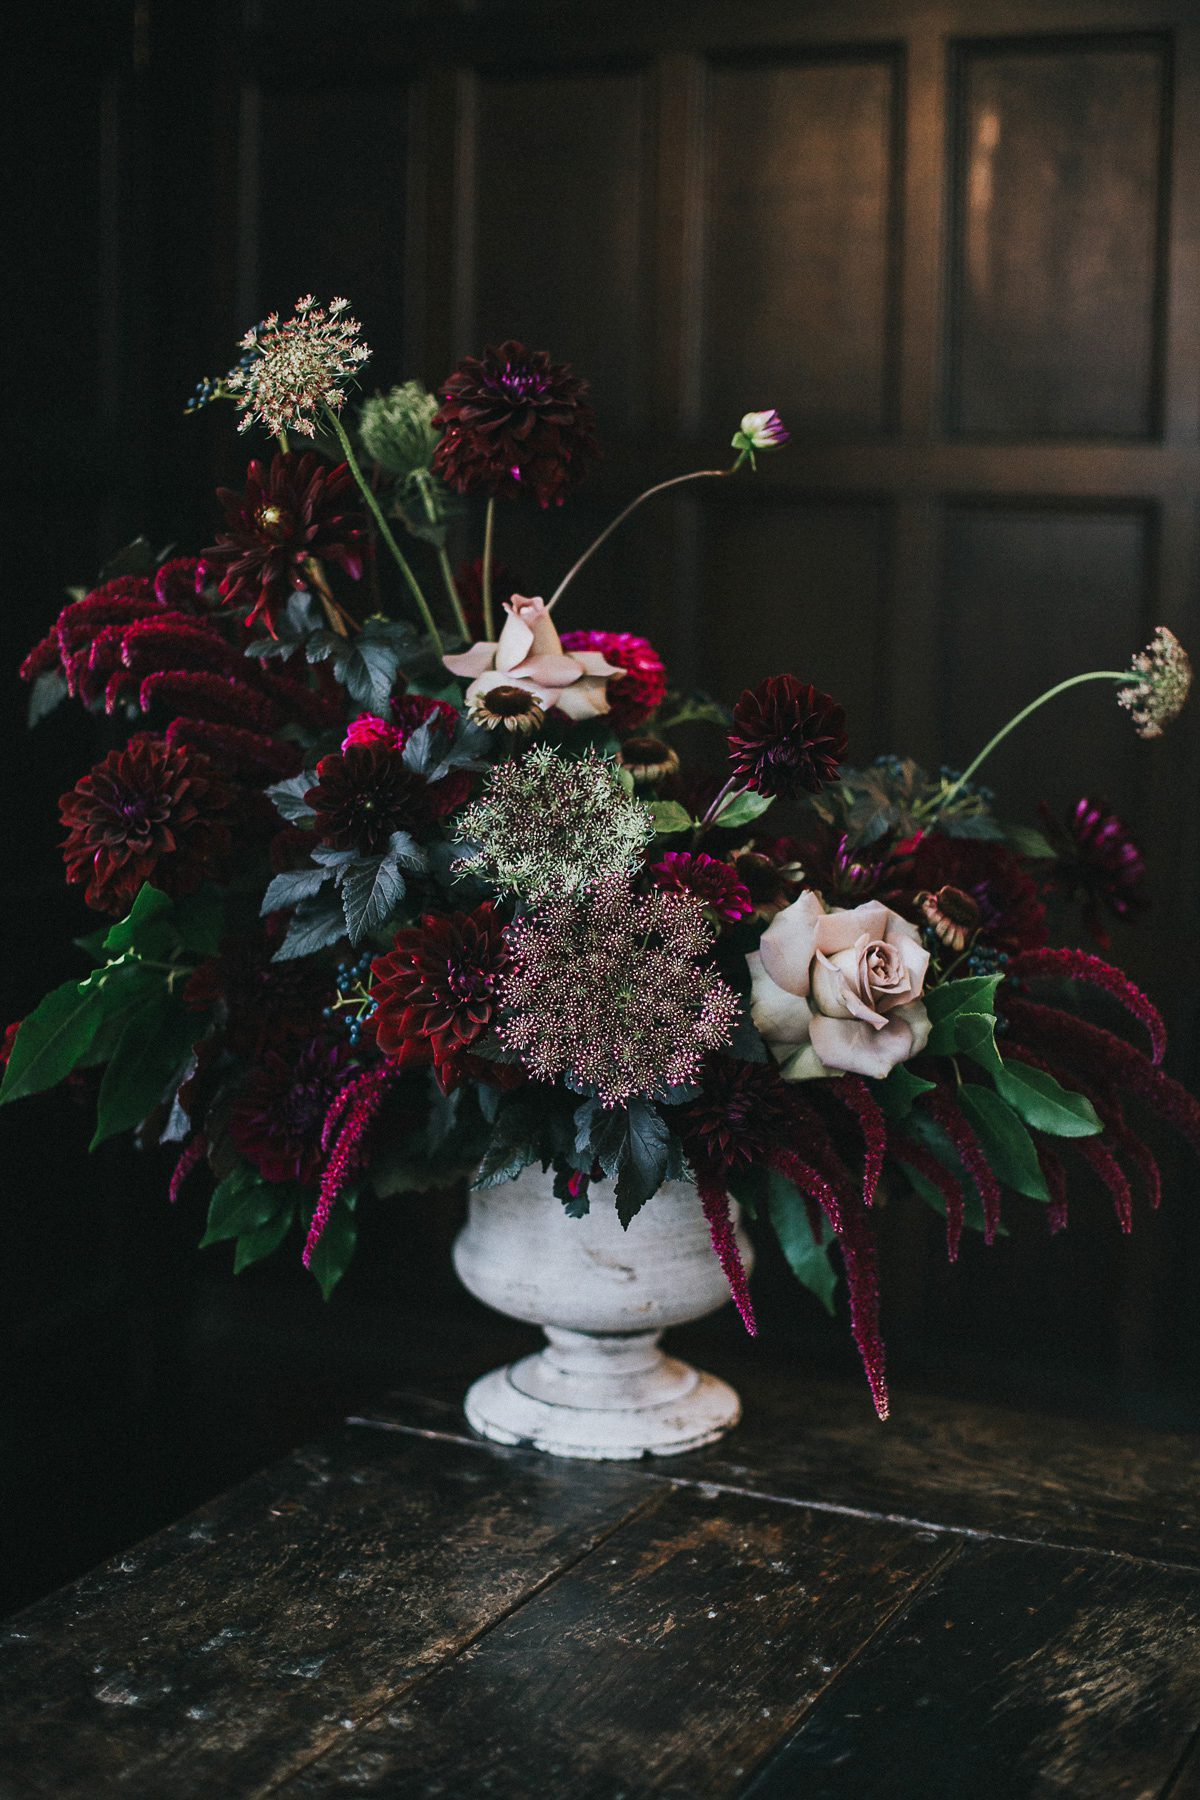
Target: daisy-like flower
<point>547,825</point>
<point>510,708</point>
<point>514,423</point>
<point>953,916</point>
<point>529,655</point>
<point>295,368</point>
<point>296,509</point>
<point>611,990</point>
<point>1161,676</point>
<point>714,883</point>
<point>648,759</point>
<point>788,738</point>
<point>759,431</point>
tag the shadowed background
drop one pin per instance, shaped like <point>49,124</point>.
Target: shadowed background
<point>957,246</point>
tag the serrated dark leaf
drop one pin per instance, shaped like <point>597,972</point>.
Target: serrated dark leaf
<point>317,923</point>
<point>404,849</point>
<point>371,891</point>
<point>295,885</point>
<point>287,797</point>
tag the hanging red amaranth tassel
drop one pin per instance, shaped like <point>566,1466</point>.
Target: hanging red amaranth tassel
<point>1056,1180</point>
<point>715,1200</point>
<point>1078,965</point>
<point>958,1130</point>
<point>854,1093</point>
<point>190,1157</point>
<point>364,1095</point>
<point>1111,1173</point>
<point>907,1150</point>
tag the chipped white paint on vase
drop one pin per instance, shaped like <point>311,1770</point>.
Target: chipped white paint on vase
<point>601,1388</point>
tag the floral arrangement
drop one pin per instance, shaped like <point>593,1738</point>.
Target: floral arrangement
<point>391,903</point>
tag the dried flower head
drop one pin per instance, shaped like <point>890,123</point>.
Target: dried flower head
<point>549,826</point>
<point>953,916</point>
<point>610,990</point>
<point>1160,675</point>
<point>648,759</point>
<point>397,429</point>
<point>297,367</point>
<point>512,708</point>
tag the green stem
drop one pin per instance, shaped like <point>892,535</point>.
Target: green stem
<point>1051,693</point>
<point>283,443</point>
<point>489,530</point>
<point>384,529</point>
<point>661,487</point>
<point>431,513</point>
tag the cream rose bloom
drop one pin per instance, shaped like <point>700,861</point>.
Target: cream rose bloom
<point>530,656</point>
<point>839,992</point>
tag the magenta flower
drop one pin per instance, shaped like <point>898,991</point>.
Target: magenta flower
<point>714,883</point>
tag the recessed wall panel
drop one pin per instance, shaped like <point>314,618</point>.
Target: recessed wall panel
<point>558,226</point>
<point>1030,598</point>
<point>798,586</point>
<point>798,250</point>
<point>1056,275</point>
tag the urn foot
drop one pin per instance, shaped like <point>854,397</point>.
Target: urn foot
<point>604,1398</point>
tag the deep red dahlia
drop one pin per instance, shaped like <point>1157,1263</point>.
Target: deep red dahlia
<point>410,711</point>
<point>713,882</point>
<point>739,1116</point>
<point>788,737</point>
<point>514,423</point>
<point>1012,918</point>
<point>632,697</point>
<point>296,509</point>
<point>363,794</point>
<point>146,813</point>
<point>1096,863</point>
<point>281,1110</point>
<point>436,987</point>
<point>266,1005</point>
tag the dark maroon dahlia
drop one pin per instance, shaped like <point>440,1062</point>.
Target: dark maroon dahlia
<point>714,883</point>
<point>280,1112</point>
<point>1011,916</point>
<point>788,737</point>
<point>514,423</point>
<point>146,813</point>
<point>297,508</point>
<point>436,988</point>
<point>1096,863</point>
<point>738,1117</point>
<point>632,697</point>
<point>411,711</point>
<point>364,794</point>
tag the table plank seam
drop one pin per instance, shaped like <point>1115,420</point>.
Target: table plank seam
<point>839,1509</point>
<point>1171,1786</point>
<point>771,1757</point>
<point>340,1735</point>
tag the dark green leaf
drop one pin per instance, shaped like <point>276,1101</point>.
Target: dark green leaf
<point>335,1247</point>
<point>293,886</point>
<point>670,818</point>
<point>975,1036</point>
<point>147,929</point>
<point>198,919</point>
<point>48,690</point>
<point>971,825</point>
<point>52,1040</point>
<point>743,809</point>
<point>125,988</point>
<point>93,944</point>
<point>317,922</point>
<point>974,993</point>
<point>252,1246</point>
<point>513,1145</point>
<point>288,799</point>
<point>632,1145</point>
<point>745,1040</point>
<point>137,558</point>
<point>933,1197</point>
<point>1005,1141</point>
<point>1045,1105</point>
<point>243,1203</point>
<point>1026,840</point>
<point>371,891</point>
<point>897,1093</point>
<point>158,1036</point>
<point>808,1260</point>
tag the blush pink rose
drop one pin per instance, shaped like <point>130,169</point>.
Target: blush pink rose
<point>840,992</point>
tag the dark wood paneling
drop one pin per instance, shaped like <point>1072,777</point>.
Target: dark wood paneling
<point>799,254</point>
<point>1058,192</point>
<point>1019,1671</point>
<point>560,167</point>
<point>800,586</point>
<point>1032,597</point>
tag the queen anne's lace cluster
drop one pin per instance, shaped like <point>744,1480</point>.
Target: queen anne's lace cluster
<point>1161,675</point>
<point>611,992</point>
<point>297,367</point>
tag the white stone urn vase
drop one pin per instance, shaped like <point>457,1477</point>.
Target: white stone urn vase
<point>601,1388</point>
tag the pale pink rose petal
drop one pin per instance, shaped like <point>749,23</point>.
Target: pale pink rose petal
<point>592,663</point>
<point>471,662</point>
<point>554,671</point>
<point>788,944</point>
<point>857,1048</point>
<point>836,992</point>
<point>918,1022</point>
<point>516,642</point>
<point>841,930</point>
<point>782,1018</point>
<point>546,641</point>
<point>586,698</point>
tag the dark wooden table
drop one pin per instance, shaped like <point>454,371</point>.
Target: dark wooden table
<point>968,1602</point>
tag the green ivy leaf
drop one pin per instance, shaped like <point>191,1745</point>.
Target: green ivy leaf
<point>146,930</point>
<point>252,1246</point>
<point>152,1046</point>
<point>52,1039</point>
<point>1045,1105</point>
<point>243,1202</point>
<point>1005,1141</point>
<point>898,1090</point>
<point>808,1260</point>
<point>743,809</point>
<point>331,1258</point>
<point>669,817</point>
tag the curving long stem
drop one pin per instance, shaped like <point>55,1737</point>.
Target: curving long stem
<point>489,532</point>
<point>385,530</point>
<point>661,487</point>
<point>422,480</point>
<point>1051,693</point>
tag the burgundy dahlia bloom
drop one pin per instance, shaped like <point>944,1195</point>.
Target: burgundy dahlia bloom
<point>739,1117</point>
<point>436,988</point>
<point>296,509</point>
<point>514,423</point>
<point>1096,863</point>
<point>788,737</point>
<point>280,1112</point>
<point>363,794</point>
<point>714,883</point>
<point>1011,916</point>
<point>151,813</point>
<point>632,697</point>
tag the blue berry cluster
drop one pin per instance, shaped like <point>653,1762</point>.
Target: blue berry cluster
<point>950,776</point>
<point>352,992</point>
<point>984,960</point>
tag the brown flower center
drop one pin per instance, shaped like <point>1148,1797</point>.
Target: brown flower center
<point>510,702</point>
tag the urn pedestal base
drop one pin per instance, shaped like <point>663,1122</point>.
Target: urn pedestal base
<point>602,1398</point>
